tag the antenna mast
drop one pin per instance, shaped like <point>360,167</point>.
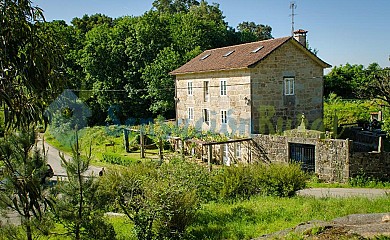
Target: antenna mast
<point>293,6</point>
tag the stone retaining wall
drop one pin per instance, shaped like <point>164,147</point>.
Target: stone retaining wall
<point>372,164</point>
<point>335,160</point>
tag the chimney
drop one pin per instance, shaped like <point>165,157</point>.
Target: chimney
<point>300,36</point>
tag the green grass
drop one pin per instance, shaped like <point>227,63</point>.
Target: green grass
<point>263,215</point>
<point>99,136</point>
<point>123,227</point>
<point>260,215</point>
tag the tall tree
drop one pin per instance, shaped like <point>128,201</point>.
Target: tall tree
<point>346,81</point>
<point>25,173</point>
<point>77,205</point>
<point>86,23</point>
<point>254,32</point>
<point>379,85</point>
<point>174,6</point>
<point>29,58</point>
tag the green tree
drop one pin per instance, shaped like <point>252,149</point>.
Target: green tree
<point>87,23</point>
<point>29,63</point>
<point>345,81</point>
<point>25,173</point>
<point>161,202</point>
<point>77,204</point>
<point>160,85</point>
<point>174,6</point>
<point>250,31</point>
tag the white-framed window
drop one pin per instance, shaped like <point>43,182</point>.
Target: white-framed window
<point>206,91</point>
<point>189,88</point>
<point>223,116</point>
<point>238,150</point>
<point>191,113</point>
<point>289,86</point>
<point>206,116</point>
<point>223,88</point>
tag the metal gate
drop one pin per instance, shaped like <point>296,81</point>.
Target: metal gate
<point>303,154</point>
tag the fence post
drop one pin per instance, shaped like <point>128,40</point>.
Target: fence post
<point>126,139</point>
<point>209,155</point>
<point>142,142</point>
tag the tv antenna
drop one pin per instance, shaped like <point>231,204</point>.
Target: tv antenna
<point>293,6</point>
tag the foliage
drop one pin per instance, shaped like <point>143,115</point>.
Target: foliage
<point>121,66</point>
<point>347,111</point>
<point>379,85</point>
<point>161,202</point>
<point>29,63</point>
<point>23,186</point>
<point>251,31</point>
<point>77,205</point>
<point>116,159</point>
<point>362,180</point>
<point>243,182</point>
<point>350,81</point>
<point>174,6</point>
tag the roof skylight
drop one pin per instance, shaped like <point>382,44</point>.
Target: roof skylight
<point>257,49</point>
<point>228,53</point>
<point>205,56</point>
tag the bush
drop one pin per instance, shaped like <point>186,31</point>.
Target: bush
<point>236,182</point>
<point>161,201</point>
<point>281,180</point>
<point>115,159</point>
<point>244,181</point>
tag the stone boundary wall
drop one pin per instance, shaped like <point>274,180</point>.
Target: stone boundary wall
<point>331,155</point>
<point>372,164</point>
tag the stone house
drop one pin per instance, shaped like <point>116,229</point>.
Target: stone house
<point>257,87</point>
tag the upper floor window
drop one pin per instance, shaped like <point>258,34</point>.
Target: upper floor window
<point>206,91</point>
<point>223,116</point>
<point>223,87</point>
<point>289,88</point>
<point>191,113</point>
<point>189,88</point>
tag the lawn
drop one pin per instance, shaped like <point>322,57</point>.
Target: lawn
<point>107,145</point>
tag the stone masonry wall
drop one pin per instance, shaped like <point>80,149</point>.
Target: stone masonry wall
<point>272,110</point>
<point>238,109</point>
<point>331,156</point>
<point>372,164</point>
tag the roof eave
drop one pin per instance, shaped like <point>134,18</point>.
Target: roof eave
<point>207,71</point>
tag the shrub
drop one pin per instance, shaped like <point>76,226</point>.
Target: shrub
<point>115,159</point>
<point>161,201</point>
<point>236,182</point>
<point>244,181</point>
<point>281,180</point>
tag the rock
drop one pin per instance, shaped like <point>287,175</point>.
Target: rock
<point>386,218</point>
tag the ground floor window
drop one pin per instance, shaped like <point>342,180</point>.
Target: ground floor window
<point>303,154</point>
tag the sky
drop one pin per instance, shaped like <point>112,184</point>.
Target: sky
<point>343,31</point>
